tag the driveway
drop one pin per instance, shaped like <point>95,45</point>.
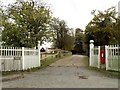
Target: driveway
<point>70,72</point>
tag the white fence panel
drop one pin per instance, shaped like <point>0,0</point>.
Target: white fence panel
<point>8,60</point>
<point>113,61</point>
<point>13,58</point>
<point>7,64</point>
<point>31,61</point>
<point>31,58</point>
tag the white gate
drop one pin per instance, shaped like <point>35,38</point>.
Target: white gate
<point>112,57</point>
<point>95,57</point>
<point>14,58</point>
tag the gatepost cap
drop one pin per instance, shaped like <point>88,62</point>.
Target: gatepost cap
<point>91,41</point>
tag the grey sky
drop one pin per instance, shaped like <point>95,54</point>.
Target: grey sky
<point>77,13</point>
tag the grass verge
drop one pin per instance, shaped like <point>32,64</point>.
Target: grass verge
<point>108,73</point>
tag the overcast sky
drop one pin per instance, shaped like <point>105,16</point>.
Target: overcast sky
<point>77,13</point>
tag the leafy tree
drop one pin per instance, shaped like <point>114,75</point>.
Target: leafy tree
<point>69,40</point>
<point>102,27</point>
<point>62,36</point>
<point>25,23</point>
<point>117,28</point>
<point>79,41</point>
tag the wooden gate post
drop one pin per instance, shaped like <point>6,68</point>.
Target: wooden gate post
<point>91,52</point>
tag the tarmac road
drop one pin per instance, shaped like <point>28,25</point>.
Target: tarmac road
<point>70,72</point>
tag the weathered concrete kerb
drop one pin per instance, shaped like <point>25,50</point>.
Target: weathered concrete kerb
<point>70,72</point>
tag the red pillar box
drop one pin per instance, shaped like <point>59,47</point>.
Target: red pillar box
<point>102,56</point>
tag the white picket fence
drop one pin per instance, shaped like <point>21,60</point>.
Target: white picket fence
<point>112,57</point>
<point>14,58</point>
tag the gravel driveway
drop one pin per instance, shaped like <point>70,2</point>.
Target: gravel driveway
<point>70,72</point>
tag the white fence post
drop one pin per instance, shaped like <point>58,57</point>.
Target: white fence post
<point>39,53</point>
<point>23,57</point>
<point>98,56</point>
<point>91,52</point>
<point>106,57</point>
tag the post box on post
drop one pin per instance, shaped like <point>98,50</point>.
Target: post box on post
<point>102,56</point>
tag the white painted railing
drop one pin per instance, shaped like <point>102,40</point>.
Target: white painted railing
<point>14,58</point>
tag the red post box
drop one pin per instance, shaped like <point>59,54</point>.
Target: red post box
<point>102,56</point>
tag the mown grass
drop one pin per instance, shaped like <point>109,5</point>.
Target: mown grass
<point>48,61</point>
<point>44,63</point>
